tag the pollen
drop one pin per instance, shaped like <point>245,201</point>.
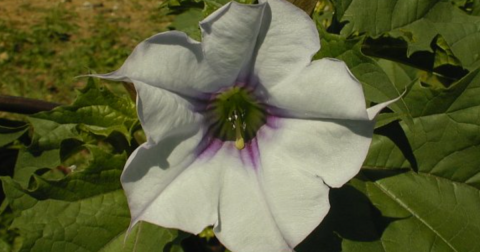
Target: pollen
<point>239,132</point>
<point>239,143</point>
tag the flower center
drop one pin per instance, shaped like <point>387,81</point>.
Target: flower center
<point>236,115</point>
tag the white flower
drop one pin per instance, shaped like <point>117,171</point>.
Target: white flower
<point>245,133</point>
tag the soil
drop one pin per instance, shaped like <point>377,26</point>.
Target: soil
<point>24,13</point>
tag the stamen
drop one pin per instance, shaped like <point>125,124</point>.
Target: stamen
<point>239,142</point>
<point>237,116</point>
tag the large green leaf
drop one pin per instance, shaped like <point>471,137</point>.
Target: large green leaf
<point>417,22</point>
<point>95,112</point>
<point>84,211</point>
<point>446,139</point>
<point>391,211</point>
<point>430,213</point>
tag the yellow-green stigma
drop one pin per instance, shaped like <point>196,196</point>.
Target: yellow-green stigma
<point>236,116</point>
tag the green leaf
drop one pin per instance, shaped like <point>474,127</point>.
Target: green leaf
<point>144,237</point>
<point>475,8</point>
<point>9,134</point>
<point>471,7</point>
<point>28,162</point>
<point>418,23</point>
<point>190,13</point>
<point>386,153</point>
<point>188,23</point>
<point>431,213</point>
<point>350,218</point>
<point>213,5</point>
<point>84,211</point>
<point>4,246</point>
<point>377,84</point>
<point>436,208</point>
<point>445,139</point>
<point>391,211</point>
<point>95,112</point>
<point>373,246</point>
<point>444,55</point>
<point>438,136</point>
<point>8,238</point>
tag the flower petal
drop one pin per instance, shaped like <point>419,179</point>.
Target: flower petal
<point>287,41</point>
<point>333,150</point>
<point>174,62</point>
<point>324,89</point>
<point>267,209</point>
<point>170,190</point>
<point>373,111</point>
<point>245,221</point>
<point>155,108</point>
<point>298,201</point>
<point>229,35</point>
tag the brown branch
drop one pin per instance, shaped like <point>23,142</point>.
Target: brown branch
<point>130,90</point>
<point>24,105</point>
<point>307,5</point>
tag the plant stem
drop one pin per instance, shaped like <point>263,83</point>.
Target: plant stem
<point>24,105</point>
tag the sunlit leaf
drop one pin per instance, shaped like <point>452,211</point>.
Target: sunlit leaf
<point>446,139</point>
<point>95,112</point>
<point>418,23</point>
<point>430,214</point>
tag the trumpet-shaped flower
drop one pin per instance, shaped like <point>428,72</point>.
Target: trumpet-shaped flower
<point>245,133</point>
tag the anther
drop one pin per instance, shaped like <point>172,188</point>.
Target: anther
<point>237,108</point>
<point>239,141</point>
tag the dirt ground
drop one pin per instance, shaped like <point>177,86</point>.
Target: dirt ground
<point>28,12</point>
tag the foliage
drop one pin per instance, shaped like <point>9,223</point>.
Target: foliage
<point>419,189</point>
<point>65,193</point>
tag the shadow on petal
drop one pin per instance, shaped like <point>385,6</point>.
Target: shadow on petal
<point>163,156</point>
<point>185,42</point>
<point>362,128</point>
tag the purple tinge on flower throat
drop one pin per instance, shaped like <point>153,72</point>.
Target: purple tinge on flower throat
<point>233,118</point>
<point>245,132</point>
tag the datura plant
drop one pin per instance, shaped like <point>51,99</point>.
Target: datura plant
<point>245,133</point>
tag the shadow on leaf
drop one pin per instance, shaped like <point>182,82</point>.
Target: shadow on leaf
<point>352,216</point>
<point>395,133</point>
